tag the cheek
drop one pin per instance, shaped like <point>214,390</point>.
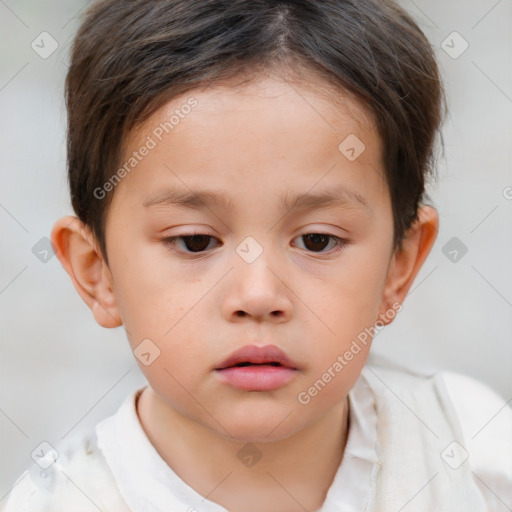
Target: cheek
<point>148,285</point>
<point>347,309</point>
<point>351,297</point>
<point>331,384</point>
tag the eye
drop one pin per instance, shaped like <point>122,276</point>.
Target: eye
<point>192,243</point>
<point>317,242</point>
<point>195,243</point>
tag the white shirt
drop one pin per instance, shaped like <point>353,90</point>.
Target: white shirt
<point>159,489</point>
<point>147,484</point>
<point>158,486</point>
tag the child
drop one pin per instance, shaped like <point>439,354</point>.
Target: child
<point>295,137</point>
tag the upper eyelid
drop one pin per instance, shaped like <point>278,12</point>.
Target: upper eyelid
<point>185,235</point>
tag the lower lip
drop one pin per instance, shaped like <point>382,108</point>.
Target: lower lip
<point>257,378</point>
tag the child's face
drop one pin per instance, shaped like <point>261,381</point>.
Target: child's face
<point>304,295</point>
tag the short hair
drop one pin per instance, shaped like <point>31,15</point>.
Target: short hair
<point>130,57</point>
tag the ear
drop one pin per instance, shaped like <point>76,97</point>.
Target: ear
<point>405,265</point>
<point>79,254</point>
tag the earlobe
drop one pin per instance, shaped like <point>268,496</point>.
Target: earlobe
<point>80,256</point>
<point>406,264</point>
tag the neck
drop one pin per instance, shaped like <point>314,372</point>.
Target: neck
<point>272,474</point>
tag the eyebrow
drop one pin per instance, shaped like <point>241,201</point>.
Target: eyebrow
<point>204,199</point>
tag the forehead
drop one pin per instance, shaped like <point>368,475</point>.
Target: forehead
<point>309,99</point>
<point>268,127</point>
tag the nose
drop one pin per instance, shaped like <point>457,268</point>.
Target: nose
<point>257,291</point>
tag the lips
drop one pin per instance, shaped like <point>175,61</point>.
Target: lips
<point>253,368</point>
<point>252,355</point>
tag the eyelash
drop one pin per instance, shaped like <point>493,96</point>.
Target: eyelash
<point>170,243</point>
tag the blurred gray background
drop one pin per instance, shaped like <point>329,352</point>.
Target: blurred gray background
<point>61,372</point>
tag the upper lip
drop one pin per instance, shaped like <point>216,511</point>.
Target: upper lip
<point>257,355</point>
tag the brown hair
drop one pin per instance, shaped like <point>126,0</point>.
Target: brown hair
<point>130,57</point>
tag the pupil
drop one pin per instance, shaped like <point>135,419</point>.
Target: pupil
<point>196,243</point>
<point>317,239</point>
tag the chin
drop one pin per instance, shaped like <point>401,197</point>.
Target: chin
<point>259,424</point>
